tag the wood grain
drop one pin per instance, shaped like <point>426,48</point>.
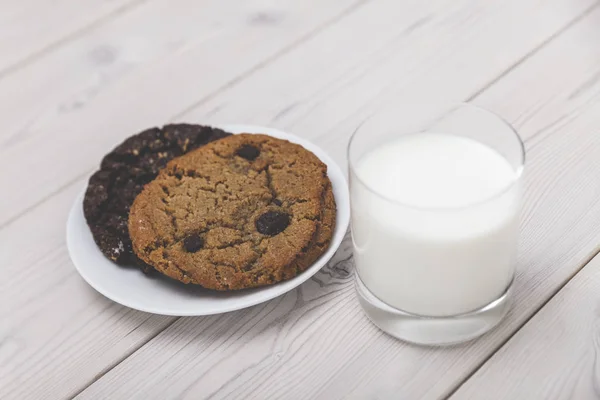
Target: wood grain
<point>31,28</point>
<point>383,41</point>
<point>554,356</point>
<point>57,333</point>
<point>444,55</point>
<point>71,78</point>
<point>298,347</point>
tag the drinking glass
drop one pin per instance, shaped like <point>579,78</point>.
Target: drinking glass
<point>435,194</point>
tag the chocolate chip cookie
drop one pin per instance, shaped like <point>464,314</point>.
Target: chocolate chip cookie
<point>244,211</point>
<point>122,175</point>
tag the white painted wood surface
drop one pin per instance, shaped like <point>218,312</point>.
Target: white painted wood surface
<point>554,356</point>
<point>315,68</point>
<point>31,28</point>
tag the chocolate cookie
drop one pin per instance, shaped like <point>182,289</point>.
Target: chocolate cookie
<point>122,176</point>
<point>244,211</point>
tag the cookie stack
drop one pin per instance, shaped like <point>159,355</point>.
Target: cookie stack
<point>122,175</point>
<point>227,212</point>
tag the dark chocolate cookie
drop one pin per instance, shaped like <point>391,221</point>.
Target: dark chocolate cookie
<point>244,211</point>
<point>122,176</point>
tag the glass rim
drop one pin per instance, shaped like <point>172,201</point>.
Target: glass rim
<point>456,105</point>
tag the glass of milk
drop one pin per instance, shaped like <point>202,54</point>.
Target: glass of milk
<point>435,195</point>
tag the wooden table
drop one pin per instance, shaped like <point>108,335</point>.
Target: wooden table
<point>78,76</point>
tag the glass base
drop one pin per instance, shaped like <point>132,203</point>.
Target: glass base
<point>432,331</point>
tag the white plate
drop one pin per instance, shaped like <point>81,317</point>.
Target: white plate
<point>160,295</point>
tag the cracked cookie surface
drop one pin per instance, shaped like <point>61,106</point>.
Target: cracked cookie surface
<point>122,175</point>
<point>244,211</point>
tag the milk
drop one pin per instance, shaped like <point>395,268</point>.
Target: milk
<point>435,223</point>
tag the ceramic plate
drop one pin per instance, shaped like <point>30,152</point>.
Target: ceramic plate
<point>161,295</point>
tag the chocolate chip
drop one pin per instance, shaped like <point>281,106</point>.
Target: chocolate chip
<point>272,222</point>
<point>248,152</point>
<point>277,202</point>
<point>193,243</point>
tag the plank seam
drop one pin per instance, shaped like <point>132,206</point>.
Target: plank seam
<point>326,24</point>
<point>69,37</point>
<point>508,338</point>
<point>534,51</point>
<point>125,357</point>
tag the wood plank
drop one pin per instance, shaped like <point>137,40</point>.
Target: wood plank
<point>71,78</point>
<point>554,356</point>
<point>411,43</point>
<point>329,98</point>
<point>57,333</point>
<point>30,28</point>
<point>316,342</point>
